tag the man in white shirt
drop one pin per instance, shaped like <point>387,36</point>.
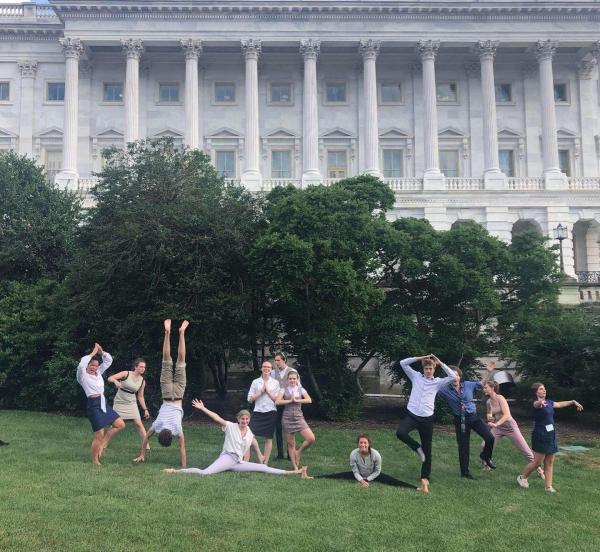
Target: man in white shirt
<point>168,423</point>
<point>280,374</point>
<point>263,393</point>
<point>419,411</point>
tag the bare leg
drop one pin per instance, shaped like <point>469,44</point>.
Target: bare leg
<point>549,469</point>
<point>139,426</point>
<point>291,442</point>
<point>166,352</point>
<point>108,437</point>
<point>309,439</point>
<point>117,426</point>
<point>267,450</point>
<point>97,445</point>
<point>538,458</point>
<point>181,346</point>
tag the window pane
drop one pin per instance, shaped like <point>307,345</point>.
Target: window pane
<point>225,92</point>
<point>281,92</point>
<point>560,93</point>
<point>113,92</point>
<point>281,166</point>
<point>447,92</point>
<point>392,163</point>
<point>336,92</point>
<point>503,93</point>
<point>53,163</point>
<point>564,160</point>
<point>336,164</point>
<point>56,92</point>
<point>4,91</point>
<point>168,92</point>
<point>449,162</point>
<point>507,164</point>
<point>226,163</point>
<point>391,93</point>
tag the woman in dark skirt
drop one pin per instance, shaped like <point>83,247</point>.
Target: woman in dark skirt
<point>100,414</point>
<point>543,438</point>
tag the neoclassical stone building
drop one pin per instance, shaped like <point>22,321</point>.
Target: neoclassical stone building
<point>469,109</point>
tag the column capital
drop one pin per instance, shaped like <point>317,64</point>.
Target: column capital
<point>28,68</point>
<point>428,49</point>
<point>369,49</point>
<point>132,47</point>
<point>585,68</point>
<point>487,48</point>
<point>251,48</point>
<point>544,49</point>
<point>192,48</point>
<point>310,48</point>
<point>72,47</point>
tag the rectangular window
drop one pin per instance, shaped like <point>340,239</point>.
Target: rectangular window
<point>447,92</point>
<point>503,93</point>
<point>335,92</point>
<point>507,162</point>
<point>280,93</point>
<point>390,93</point>
<point>225,163</point>
<point>336,164</point>
<point>564,161</point>
<point>561,93</point>
<point>225,92</point>
<point>112,92</point>
<point>168,92</point>
<point>281,164</point>
<point>392,163</point>
<point>55,92</point>
<point>4,91</point>
<point>449,162</point>
<point>52,163</point>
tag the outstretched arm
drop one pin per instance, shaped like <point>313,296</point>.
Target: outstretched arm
<point>564,404</point>
<point>199,405</point>
<point>145,441</point>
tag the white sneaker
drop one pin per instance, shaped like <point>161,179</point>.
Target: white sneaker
<point>421,454</point>
<point>550,489</point>
<point>522,482</point>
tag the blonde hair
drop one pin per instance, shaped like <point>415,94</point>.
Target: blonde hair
<point>242,413</point>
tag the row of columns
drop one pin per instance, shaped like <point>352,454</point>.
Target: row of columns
<point>309,49</point>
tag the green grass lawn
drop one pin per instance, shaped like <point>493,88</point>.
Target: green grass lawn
<point>52,498</point>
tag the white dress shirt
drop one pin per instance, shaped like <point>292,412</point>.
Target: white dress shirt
<point>93,384</point>
<point>264,403</point>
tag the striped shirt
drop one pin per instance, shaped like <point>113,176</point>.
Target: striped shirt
<point>169,417</point>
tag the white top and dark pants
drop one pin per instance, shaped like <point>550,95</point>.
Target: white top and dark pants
<point>264,416</point>
<point>419,411</point>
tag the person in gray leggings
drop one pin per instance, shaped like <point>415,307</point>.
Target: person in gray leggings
<point>238,440</point>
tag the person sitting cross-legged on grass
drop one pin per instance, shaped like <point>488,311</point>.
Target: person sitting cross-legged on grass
<point>419,411</point>
<point>543,437</point>
<point>100,414</point>
<point>172,386</point>
<point>365,463</point>
<point>238,440</point>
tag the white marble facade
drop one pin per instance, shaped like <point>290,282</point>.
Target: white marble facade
<point>469,110</point>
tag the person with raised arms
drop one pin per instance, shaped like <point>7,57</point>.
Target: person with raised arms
<point>238,440</point>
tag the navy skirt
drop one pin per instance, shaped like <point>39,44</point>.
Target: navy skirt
<point>99,419</point>
<point>543,441</point>
<point>262,424</point>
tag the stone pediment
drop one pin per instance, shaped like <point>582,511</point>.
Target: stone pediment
<point>52,132</point>
<point>7,133</point>
<point>451,132</point>
<point>110,134</point>
<point>281,133</point>
<point>394,132</point>
<point>168,133</point>
<point>509,133</point>
<point>224,132</point>
<point>565,133</point>
<point>337,133</point>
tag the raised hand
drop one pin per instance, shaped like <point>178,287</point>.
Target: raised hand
<point>577,406</point>
<point>490,366</point>
<point>198,405</point>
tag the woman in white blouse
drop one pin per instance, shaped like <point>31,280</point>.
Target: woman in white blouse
<point>100,414</point>
<point>238,440</point>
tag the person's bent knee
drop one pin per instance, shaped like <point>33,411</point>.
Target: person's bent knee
<point>118,423</point>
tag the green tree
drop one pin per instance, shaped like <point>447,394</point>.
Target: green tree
<point>38,222</point>
<point>319,258</point>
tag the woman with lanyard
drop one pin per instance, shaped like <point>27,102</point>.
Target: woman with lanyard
<point>543,438</point>
<point>89,376</point>
<point>130,389</point>
<point>238,440</point>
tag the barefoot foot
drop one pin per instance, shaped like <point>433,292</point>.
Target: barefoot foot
<point>167,325</point>
<point>169,470</point>
<point>183,326</point>
<point>424,486</point>
<point>304,473</point>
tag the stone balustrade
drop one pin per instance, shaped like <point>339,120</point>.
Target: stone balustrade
<point>584,183</point>
<point>463,184</point>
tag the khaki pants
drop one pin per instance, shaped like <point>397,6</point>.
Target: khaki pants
<point>172,385</point>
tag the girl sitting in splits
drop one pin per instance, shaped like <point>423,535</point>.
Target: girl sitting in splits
<point>365,463</point>
<point>238,439</point>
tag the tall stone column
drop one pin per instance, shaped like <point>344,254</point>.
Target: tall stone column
<point>28,70</point>
<point>494,178</point>
<point>433,179</point>
<point>68,175</point>
<point>251,177</point>
<point>555,179</point>
<point>588,113</point>
<point>309,49</point>
<point>369,49</point>
<point>133,48</point>
<point>192,49</point>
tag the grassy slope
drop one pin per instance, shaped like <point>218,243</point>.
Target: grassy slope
<point>51,498</point>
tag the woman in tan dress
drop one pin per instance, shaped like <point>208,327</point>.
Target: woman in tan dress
<point>130,389</point>
<point>293,397</point>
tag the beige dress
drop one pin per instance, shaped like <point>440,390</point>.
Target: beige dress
<point>125,403</point>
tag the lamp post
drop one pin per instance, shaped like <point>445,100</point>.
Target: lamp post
<point>561,233</point>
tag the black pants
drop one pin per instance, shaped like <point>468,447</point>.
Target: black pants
<point>463,439</point>
<point>381,478</point>
<point>424,425</point>
<point>279,432</point>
